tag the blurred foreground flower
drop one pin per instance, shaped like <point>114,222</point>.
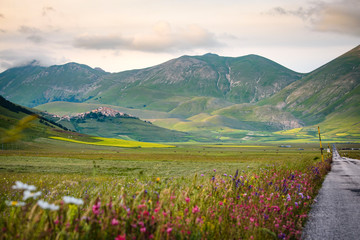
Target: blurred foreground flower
<point>76,201</point>
<point>15,203</point>
<point>46,205</point>
<point>23,186</point>
<point>28,194</point>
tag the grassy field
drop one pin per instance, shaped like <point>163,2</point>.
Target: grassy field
<point>187,192</point>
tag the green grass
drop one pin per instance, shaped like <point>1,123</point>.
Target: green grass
<point>183,192</point>
<point>64,157</point>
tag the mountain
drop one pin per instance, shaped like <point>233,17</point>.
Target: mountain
<point>329,96</point>
<point>163,87</point>
<point>33,85</point>
<point>231,99</point>
<point>110,123</point>
<point>332,87</point>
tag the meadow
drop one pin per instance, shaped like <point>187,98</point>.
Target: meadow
<point>187,192</point>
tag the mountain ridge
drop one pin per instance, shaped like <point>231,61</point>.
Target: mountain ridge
<point>244,93</point>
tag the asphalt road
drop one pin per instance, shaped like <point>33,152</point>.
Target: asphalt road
<point>336,214</point>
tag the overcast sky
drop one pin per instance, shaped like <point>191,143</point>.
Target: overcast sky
<point>119,35</point>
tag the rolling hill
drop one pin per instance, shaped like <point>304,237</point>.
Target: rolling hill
<point>110,123</point>
<point>24,128</point>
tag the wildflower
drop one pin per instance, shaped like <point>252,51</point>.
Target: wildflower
<point>221,203</point>
<point>158,179</point>
<point>252,219</point>
<point>225,174</point>
<point>195,209</point>
<point>96,208</point>
<point>214,170</point>
<point>143,229</point>
<point>23,186</point>
<point>187,199</point>
<point>114,222</point>
<point>28,194</point>
<point>296,204</point>
<point>282,236</point>
<point>46,205</point>
<point>121,237</point>
<point>301,195</point>
<point>76,201</point>
<point>15,203</point>
<point>169,230</point>
<point>288,198</point>
<point>202,175</point>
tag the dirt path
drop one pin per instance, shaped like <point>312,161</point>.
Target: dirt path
<point>336,215</point>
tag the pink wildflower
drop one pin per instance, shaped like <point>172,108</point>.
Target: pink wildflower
<point>220,203</point>
<point>143,229</point>
<point>114,222</point>
<point>195,209</point>
<point>96,208</point>
<point>187,199</point>
<point>169,230</point>
<point>121,237</point>
<point>252,219</point>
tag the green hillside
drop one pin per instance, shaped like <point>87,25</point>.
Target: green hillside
<point>331,88</point>
<point>124,127</point>
<point>33,85</point>
<point>16,125</point>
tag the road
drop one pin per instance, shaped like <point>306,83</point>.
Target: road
<point>336,214</point>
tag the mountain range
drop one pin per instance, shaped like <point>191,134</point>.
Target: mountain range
<point>219,97</point>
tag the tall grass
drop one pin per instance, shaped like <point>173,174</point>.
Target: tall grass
<point>271,202</point>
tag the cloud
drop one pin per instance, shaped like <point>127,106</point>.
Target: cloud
<point>101,42</point>
<point>46,10</point>
<point>300,12</point>
<point>21,57</point>
<point>338,16</point>
<point>161,38</point>
<point>33,34</point>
